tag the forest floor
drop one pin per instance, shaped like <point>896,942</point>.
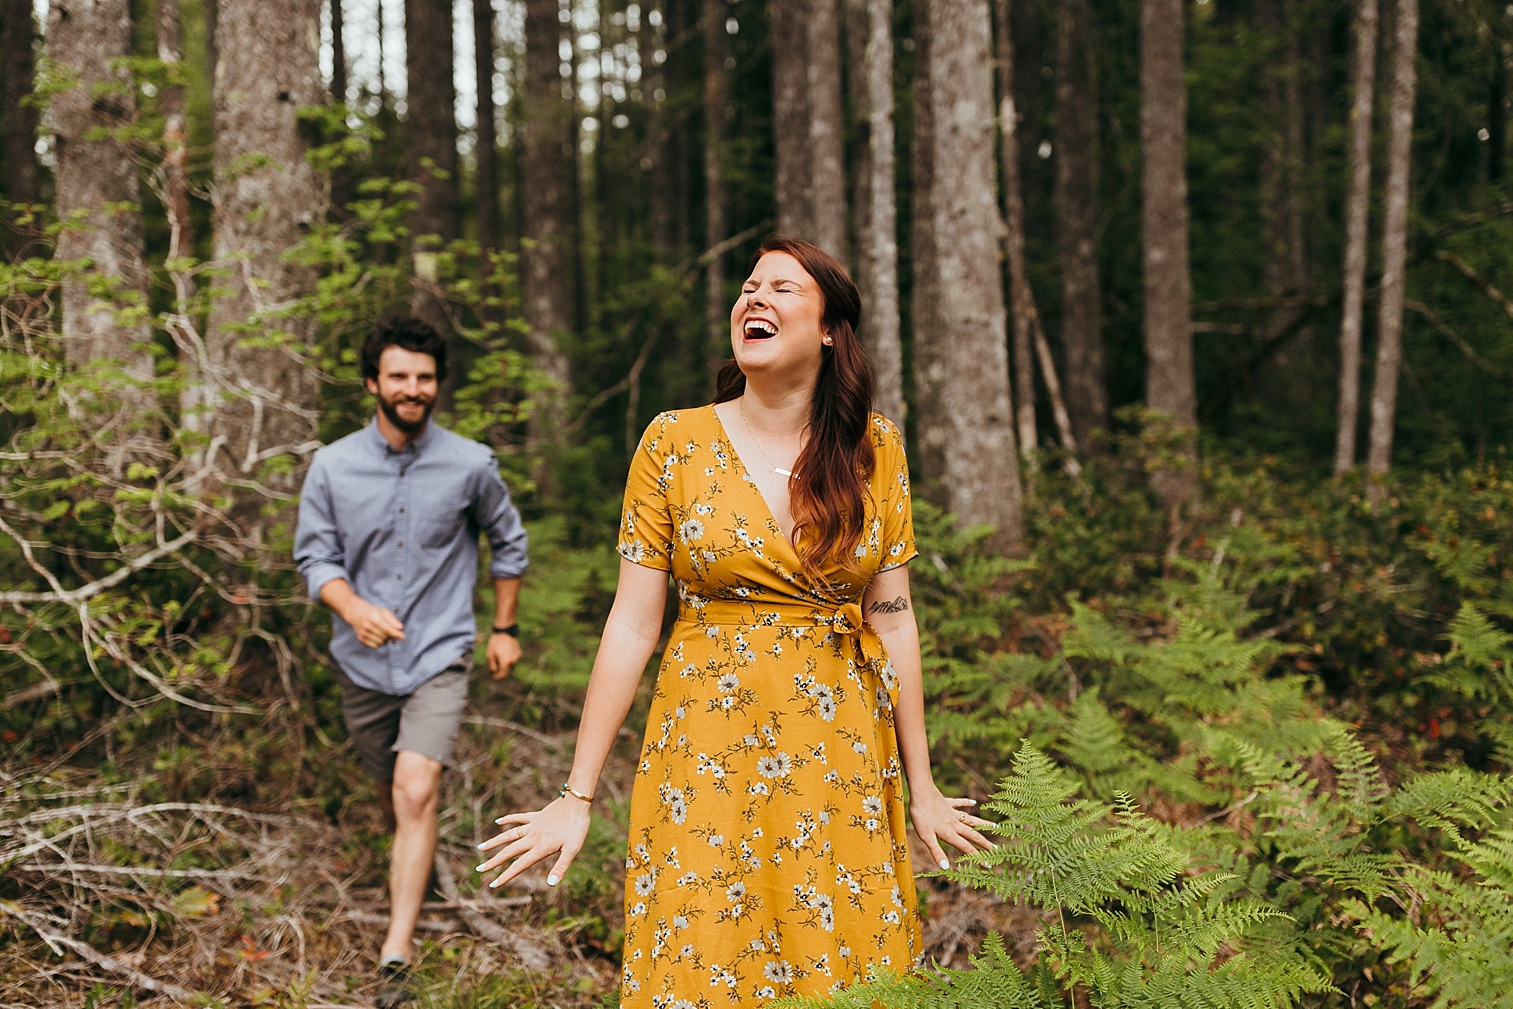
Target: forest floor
<point>286,903</point>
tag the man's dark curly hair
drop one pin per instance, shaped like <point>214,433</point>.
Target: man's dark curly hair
<point>407,333</point>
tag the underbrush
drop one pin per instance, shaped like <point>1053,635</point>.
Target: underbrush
<point>1286,725</point>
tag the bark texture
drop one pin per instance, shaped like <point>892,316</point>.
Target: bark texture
<point>1076,199</point>
<point>486,175</point>
<point>261,401</point>
<point>1281,170</point>
<point>431,125</point>
<point>1357,213</point>
<point>338,53</point>
<point>826,144</point>
<point>175,180</point>
<point>547,165</point>
<point>788,39</point>
<point>18,38</point>
<point>1022,311</point>
<point>431,134</point>
<point>965,423</point>
<point>1169,382</point>
<point>808,125</point>
<point>666,160</point>
<point>869,35</point>
<point>92,174</point>
<point>1389,326</point>
<point>716,311</point>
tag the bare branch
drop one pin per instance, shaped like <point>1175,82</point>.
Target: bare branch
<point>1466,270</point>
<point>1443,329</point>
<point>55,939</point>
<point>75,596</point>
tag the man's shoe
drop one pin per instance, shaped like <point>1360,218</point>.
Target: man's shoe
<point>396,989</point>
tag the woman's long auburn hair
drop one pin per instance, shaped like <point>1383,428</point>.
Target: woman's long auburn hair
<point>828,487</point>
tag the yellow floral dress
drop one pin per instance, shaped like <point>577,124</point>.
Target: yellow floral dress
<point>767,853</point>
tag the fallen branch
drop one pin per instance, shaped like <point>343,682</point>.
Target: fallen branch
<point>1468,271</point>
<point>530,954</point>
<point>55,939</point>
<point>1443,329</point>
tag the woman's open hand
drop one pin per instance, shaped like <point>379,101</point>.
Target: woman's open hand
<point>562,826</point>
<point>939,818</point>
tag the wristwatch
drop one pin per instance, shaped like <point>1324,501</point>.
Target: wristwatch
<point>513,630</point>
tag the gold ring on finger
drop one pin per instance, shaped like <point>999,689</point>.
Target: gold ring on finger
<point>962,817</point>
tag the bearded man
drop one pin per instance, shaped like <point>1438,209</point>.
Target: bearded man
<point>388,531</point>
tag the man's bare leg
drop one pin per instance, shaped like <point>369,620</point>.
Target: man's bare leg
<point>417,781</point>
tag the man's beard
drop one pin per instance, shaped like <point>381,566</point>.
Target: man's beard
<point>391,411</point>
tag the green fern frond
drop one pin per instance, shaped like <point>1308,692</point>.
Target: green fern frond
<point>1451,800</point>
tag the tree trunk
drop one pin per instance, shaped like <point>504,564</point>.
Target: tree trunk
<point>18,40</point>
<point>826,145</point>
<point>1076,198</point>
<point>486,175</point>
<point>1285,269</point>
<point>338,53</point>
<point>1389,325</point>
<point>171,100</point>
<point>431,133</point>
<point>1022,310</point>
<point>263,400</point>
<point>792,183</point>
<point>666,162</point>
<point>94,173</point>
<point>547,170</point>
<point>1169,381</point>
<point>716,311</point>
<point>966,424</point>
<point>869,35</point>
<point>1357,213</point>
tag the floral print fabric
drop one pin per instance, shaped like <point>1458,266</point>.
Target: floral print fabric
<point>767,854</point>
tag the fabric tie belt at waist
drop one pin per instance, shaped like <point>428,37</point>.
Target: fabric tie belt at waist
<point>845,620</point>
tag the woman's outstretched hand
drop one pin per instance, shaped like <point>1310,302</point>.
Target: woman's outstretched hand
<point>562,826</point>
<point>939,818</point>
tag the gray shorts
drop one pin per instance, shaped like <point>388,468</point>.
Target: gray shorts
<point>426,722</point>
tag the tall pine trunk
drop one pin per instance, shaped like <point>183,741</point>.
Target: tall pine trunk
<point>826,145</point>
<point>547,177</point>
<point>965,422</point>
<point>1170,387</point>
<point>486,173</point>
<point>95,173</point>
<point>431,135</point>
<point>1389,325</point>
<point>1076,199</point>
<point>263,400</point>
<point>1022,311</point>
<point>175,145</point>
<point>792,183</point>
<point>18,39</point>
<point>1357,214</point>
<point>338,53</point>
<point>869,35</point>
<point>716,311</point>
<point>666,161</point>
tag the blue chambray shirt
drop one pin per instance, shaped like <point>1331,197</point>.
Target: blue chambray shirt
<point>402,529</point>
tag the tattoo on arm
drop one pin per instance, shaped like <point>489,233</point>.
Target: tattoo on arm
<point>896,605</point>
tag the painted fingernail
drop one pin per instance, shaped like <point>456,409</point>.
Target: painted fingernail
<point>496,882</point>
<point>551,880</point>
<point>944,864</point>
<point>481,844</point>
<point>500,820</point>
<point>481,867</point>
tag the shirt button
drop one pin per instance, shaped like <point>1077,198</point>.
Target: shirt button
<point>398,577</point>
<point>401,542</point>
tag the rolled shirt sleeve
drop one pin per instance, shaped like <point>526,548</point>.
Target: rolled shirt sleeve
<point>497,516</point>
<point>318,549</point>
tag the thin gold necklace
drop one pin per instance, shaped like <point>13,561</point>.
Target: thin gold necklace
<point>741,409</point>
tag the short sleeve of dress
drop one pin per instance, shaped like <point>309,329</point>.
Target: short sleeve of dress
<point>646,521</point>
<point>891,476</point>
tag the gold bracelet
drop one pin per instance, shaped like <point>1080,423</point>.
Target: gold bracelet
<point>567,789</point>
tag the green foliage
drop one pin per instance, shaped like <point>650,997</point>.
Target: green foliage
<point>1148,927</point>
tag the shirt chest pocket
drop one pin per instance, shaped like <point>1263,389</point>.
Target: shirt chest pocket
<point>440,528</point>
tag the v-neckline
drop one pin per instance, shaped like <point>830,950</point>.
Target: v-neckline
<point>746,475</point>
